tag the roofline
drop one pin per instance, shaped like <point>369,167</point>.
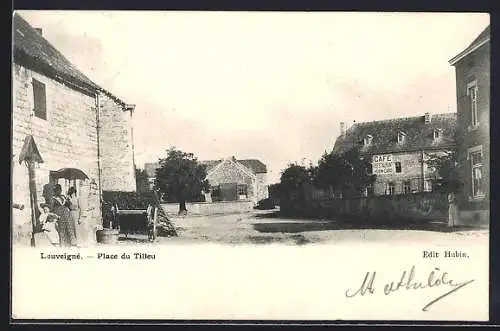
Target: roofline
<point>467,51</point>
<point>436,148</point>
<point>73,82</point>
<point>238,164</point>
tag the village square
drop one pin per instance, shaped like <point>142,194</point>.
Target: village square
<point>77,182</point>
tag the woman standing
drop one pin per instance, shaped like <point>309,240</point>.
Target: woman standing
<point>452,210</point>
<point>60,207</point>
<point>74,207</point>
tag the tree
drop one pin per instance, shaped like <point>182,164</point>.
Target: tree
<point>348,172</point>
<point>181,176</point>
<point>293,179</point>
<point>446,169</point>
<point>274,191</point>
<point>141,180</point>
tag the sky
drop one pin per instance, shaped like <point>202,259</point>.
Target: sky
<point>266,85</point>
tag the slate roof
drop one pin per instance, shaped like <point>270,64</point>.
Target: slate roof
<point>419,135</point>
<point>32,50</point>
<point>254,165</point>
<point>210,163</point>
<point>483,36</point>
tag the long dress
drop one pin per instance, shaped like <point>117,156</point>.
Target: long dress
<point>66,223</point>
<point>452,210</point>
<point>74,207</point>
<point>85,230</point>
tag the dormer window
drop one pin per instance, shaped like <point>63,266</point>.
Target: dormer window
<point>437,134</point>
<point>401,137</point>
<point>368,140</point>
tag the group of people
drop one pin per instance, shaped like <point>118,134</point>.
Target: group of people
<point>60,218</point>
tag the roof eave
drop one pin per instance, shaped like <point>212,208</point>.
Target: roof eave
<point>468,51</point>
<point>71,81</point>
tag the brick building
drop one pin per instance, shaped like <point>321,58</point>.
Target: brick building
<point>230,179</point>
<point>74,123</point>
<point>398,149</point>
<point>472,69</point>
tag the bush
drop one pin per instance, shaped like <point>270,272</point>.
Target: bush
<point>265,204</point>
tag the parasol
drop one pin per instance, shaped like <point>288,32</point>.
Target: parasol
<point>69,173</point>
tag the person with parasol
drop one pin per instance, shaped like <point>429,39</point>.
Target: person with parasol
<point>60,207</point>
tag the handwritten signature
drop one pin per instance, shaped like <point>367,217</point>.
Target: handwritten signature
<point>407,282</point>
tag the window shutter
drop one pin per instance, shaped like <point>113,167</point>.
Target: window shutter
<point>39,99</point>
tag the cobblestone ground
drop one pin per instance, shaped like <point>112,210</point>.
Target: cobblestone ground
<point>253,228</point>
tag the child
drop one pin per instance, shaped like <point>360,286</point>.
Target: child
<point>48,221</point>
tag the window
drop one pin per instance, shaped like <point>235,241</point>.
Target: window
<point>398,166</point>
<point>39,98</point>
<point>242,190</point>
<point>401,137</point>
<point>406,187</point>
<point>368,140</point>
<point>415,185</point>
<point>369,168</point>
<point>472,93</point>
<point>390,188</point>
<point>428,185</point>
<point>476,158</point>
<point>437,134</point>
<point>369,191</point>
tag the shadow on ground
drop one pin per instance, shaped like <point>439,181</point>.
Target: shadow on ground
<point>297,226</point>
<point>133,239</point>
<point>298,239</point>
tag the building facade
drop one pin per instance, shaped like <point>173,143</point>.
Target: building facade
<point>230,179</point>
<point>472,70</point>
<point>398,148</point>
<point>73,122</point>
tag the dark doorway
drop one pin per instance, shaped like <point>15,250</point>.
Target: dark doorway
<point>229,191</point>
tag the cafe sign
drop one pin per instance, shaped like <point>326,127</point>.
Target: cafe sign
<point>383,164</point>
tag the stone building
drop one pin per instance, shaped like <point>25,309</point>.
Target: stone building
<point>230,179</point>
<point>472,69</point>
<point>73,122</point>
<point>398,149</point>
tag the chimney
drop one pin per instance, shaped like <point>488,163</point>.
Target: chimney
<point>39,30</point>
<point>342,128</point>
<point>428,117</point>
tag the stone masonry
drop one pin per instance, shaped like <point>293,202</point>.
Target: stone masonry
<point>68,138</point>
<point>473,67</point>
<point>116,146</point>
<point>231,172</point>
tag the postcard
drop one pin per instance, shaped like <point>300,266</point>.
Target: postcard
<point>250,166</point>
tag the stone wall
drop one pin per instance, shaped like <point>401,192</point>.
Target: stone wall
<point>474,67</point>
<point>262,187</point>
<point>211,208</point>
<point>116,146</point>
<point>423,206</point>
<point>413,170</point>
<point>67,138</point>
<point>230,172</point>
